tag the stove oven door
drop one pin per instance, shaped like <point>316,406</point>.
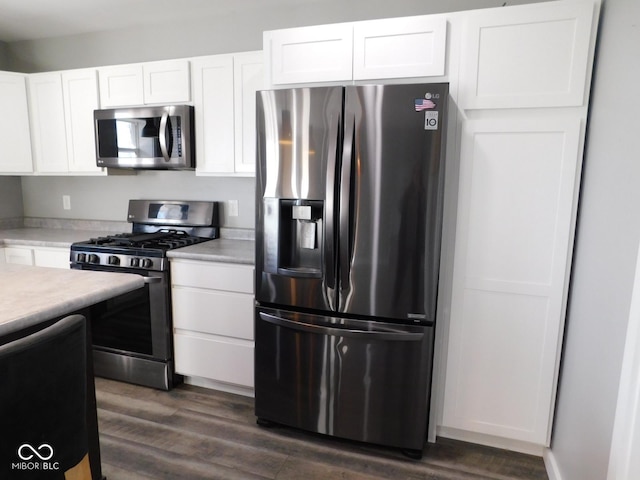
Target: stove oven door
<point>132,333</point>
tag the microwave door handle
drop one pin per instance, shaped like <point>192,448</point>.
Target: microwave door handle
<point>164,147</point>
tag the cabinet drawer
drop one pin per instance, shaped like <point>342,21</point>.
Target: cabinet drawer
<point>20,256</point>
<point>214,359</point>
<point>227,277</point>
<point>55,257</point>
<point>219,313</point>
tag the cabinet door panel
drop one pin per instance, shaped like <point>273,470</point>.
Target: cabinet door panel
<point>215,359</point>
<point>311,54</point>
<point>530,56</point>
<point>224,277</point>
<point>20,256</point>
<point>213,98</point>
<point>48,132</point>
<point>210,311</point>
<point>166,82</point>
<point>516,214</point>
<point>121,85</point>
<point>14,124</point>
<point>402,47</point>
<point>248,78</point>
<point>81,96</point>
<point>51,257</point>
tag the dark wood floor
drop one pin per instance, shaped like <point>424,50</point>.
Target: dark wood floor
<point>195,433</point>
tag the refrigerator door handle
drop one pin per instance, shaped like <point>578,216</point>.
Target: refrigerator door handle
<point>342,332</point>
<point>329,232</point>
<point>345,232</point>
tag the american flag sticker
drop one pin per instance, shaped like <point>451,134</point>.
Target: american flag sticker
<point>421,104</point>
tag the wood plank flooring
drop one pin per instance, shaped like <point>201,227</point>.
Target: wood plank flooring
<point>195,433</point>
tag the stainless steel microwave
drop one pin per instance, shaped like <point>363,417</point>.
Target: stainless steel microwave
<point>154,138</point>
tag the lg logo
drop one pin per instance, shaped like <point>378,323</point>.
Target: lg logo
<point>44,452</point>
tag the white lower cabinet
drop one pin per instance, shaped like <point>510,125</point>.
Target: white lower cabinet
<point>38,256</point>
<point>213,323</point>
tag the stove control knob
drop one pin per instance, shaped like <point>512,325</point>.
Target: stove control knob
<point>146,263</point>
<point>113,260</point>
<point>93,258</point>
<point>135,262</point>
<point>82,257</point>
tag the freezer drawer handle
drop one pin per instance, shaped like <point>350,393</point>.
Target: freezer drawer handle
<point>340,332</point>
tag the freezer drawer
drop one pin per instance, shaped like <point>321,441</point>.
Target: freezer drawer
<point>355,379</point>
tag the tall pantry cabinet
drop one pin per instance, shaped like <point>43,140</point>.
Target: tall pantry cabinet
<point>523,96</point>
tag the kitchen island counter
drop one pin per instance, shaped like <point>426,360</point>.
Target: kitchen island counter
<point>31,295</point>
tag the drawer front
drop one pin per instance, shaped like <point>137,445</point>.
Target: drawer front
<point>57,258</point>
<point>214,359</point>
<point>219,276</point>
<point>20,256</point>
<point>214,312</point>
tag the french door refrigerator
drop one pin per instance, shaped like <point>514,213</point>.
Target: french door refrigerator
<point>348,224</point>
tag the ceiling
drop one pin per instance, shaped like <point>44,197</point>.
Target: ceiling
<point>37,19</point>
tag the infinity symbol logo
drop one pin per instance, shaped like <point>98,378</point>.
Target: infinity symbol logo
<point>43,452</point>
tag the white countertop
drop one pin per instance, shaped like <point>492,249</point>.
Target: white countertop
<point>220,250</point>
<point>30,295</point>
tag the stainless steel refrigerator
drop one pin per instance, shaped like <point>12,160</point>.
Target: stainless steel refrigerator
<point>348,224</point>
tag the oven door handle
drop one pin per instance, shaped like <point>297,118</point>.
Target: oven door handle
<point>148,280</point>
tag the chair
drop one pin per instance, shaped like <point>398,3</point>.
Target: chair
<point>43,404</point>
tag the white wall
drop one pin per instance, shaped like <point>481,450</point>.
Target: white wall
<point>608,235</point>
<point>236,31</point>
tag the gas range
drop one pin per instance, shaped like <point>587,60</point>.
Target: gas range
<point>158,226</point>
<point>132,335</point>
<point>133,250</point>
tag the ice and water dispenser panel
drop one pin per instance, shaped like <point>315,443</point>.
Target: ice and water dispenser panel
<point>293,237</point>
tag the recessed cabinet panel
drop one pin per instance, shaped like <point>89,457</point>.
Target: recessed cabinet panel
<point>48,132</point>
<point>121,85</point>
<point>530,56</point>
<point>402,47</point>
<point>311,54</point>
<point>80,88</point>
<point>166,82</point>
<point>213,99</point>
<point>248,78</point>
<point>516,214</point>
<point>214,358</point>
<point>213,312</point>
<point>14,125</point>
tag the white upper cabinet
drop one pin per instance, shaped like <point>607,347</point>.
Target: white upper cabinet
<point>224,90</point>
<point>531,56</point>
<point>61,108</point>
<point>213,108</point>
<point>80,93</point>
<point>14,125</point>
<point>48,133</point>
<point>166,82</point>
<point>399,47</point>
<point>406,47</point>
<point>310,54</point>
<point>145,83</point>
<point>121,85</point>
<point>248,72</point>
